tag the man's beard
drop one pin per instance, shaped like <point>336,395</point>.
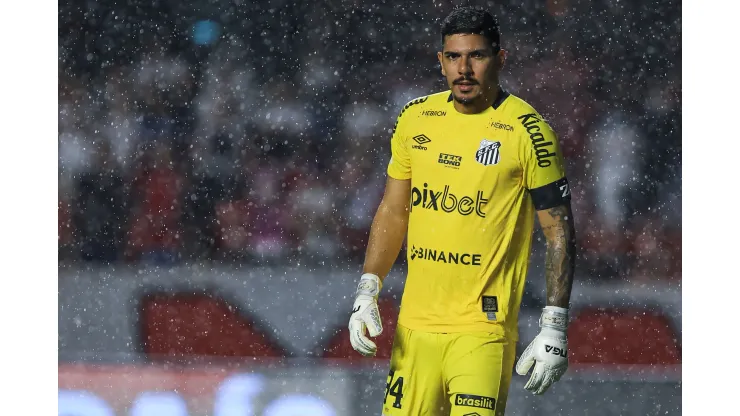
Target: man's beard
<point>466,100</point>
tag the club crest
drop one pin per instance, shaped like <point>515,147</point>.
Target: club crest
<point>489,152</point>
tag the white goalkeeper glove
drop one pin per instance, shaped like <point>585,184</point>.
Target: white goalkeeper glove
<point>365,314</point>
<point>548,351</point>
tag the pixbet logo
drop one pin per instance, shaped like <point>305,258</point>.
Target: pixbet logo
<point>448,202</point>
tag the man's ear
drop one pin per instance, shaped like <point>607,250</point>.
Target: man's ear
<point>442,67</point>
<point>501,57</point>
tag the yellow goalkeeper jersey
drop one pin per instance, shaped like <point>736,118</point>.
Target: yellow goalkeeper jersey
<point>476,183</point>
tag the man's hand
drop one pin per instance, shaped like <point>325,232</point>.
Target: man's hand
<point>365,314</point>
<point>548,352</point>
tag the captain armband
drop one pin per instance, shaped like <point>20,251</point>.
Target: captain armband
<point>551,195</point>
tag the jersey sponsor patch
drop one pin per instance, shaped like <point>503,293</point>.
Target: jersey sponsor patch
<point>543,150</point>
<point>447,201</point>
<point>490,307</point>
<point>449,160</point>
<point>502,126</point>
<point>473,400</point>
<point>489,152</point>
<point>434,113</point>
<point>441,256</point>
<point>490,304</point>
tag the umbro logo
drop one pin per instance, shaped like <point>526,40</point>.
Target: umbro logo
<point>472,414</point>
<point>421,140</point>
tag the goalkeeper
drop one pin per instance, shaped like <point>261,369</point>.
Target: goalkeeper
<point>471,168</point>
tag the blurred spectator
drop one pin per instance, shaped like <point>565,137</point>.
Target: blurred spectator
<point>257,223</point>
<point>361,189</point>
<point>314,212</point>
<point>121,125</point>
<point>157,191</point>
<point>613,143</point>
<point>101,206</point>
<point>655,251</point>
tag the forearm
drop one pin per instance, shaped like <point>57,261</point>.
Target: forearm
<point>560,257</point>
<point>386,237</point>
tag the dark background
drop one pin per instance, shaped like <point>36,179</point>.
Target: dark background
<point>271,141</point>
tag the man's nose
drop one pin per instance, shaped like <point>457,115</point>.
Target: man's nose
<point>464,67</point>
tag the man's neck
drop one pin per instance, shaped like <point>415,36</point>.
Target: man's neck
<point>478,106</point>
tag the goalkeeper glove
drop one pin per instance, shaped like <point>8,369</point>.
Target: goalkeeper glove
<point>365,314</point>
<point>548,351</point>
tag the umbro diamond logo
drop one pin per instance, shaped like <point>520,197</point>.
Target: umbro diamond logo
<point>421,140</point>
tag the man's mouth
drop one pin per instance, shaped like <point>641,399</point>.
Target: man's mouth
<point>465,86</point>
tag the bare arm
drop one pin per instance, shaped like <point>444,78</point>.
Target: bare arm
<point>389,228</point>
<point>558,227</point>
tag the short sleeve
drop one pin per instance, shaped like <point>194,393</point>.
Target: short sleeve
<point>399,166</point>
<point>543,163</point>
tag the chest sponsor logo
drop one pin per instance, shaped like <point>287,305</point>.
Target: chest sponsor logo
<point>489,152</point>
<point>441,256</point>
<point>544,150</point>
<point>448,202</point>
<point>450,161</point>
<point>420,140</point>
<point>501,126</point>
<point>434,113</point>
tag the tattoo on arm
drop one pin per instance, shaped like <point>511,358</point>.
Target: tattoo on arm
<point>560,256</point>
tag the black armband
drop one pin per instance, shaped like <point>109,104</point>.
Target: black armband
<point>551,195</point>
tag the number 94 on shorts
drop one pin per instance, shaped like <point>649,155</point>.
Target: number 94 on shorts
<point>452,374</point>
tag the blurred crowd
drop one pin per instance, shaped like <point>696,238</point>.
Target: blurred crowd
<point>260,132</point>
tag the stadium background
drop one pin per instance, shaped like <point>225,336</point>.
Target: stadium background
<point>220,163</point>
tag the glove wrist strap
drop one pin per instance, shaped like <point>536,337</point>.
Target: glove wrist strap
<point>554,317</point>
<point>369,285</point>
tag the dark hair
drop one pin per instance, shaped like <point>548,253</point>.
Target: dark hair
<point>472,20</point>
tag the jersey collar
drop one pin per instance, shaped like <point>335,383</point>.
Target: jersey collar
<point>502,96</point>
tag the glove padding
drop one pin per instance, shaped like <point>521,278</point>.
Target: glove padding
<point>365,314</point>
<point>548,351</point>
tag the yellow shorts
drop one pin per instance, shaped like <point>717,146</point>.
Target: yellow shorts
<point>456,374</point>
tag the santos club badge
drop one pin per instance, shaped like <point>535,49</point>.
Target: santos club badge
<point>488,153</point>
